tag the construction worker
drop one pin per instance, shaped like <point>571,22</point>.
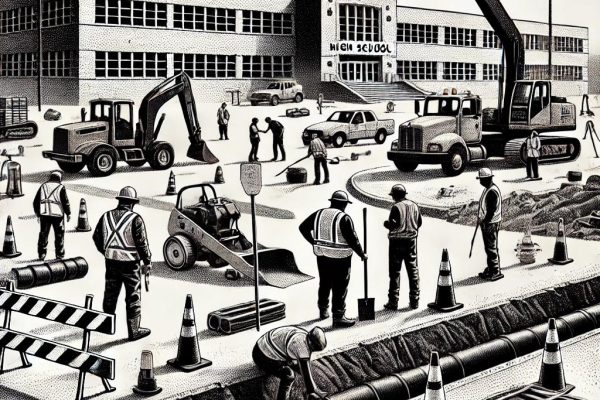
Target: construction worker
<point>254,140</point>
<point>331,233</point>
<point>318,150</point>
<point>489,219</point>
<point>120,236</point>
<point>223,121</point>
<point>50,205</point>
<point>281,350</point>
<point>534,146</point>
<point>276,129</point>
<point>403,223</point>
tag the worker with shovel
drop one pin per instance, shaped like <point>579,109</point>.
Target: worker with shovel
<point>318,150</point>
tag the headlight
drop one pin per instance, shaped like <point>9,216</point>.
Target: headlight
<point>395,145</point>
<point>434,148</point>
<point>305,134</point>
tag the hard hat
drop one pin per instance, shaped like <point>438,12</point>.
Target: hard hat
<point>485,173</point>
<point>398,189</point>
<point>316,339</point>
<point>56,175</point>
<point>128,193</point>
<point>341,196</point>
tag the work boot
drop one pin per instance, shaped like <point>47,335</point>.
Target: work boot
<point>41,256</point>
<point>134,331</point>
<point>343,322</point>
<point>391,305</point>
<point>323,314</point>
<point>414,304</point>
<point>316,183</point>
<point>326,180</point>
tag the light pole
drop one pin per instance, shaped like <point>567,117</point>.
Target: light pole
<point>39,63</point>
<point>550,40</point>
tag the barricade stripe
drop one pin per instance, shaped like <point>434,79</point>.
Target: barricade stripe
<point>44,349</point>
<point>96,322</point>
<point>67,357</point>
<point>17,340</point>
<point>10,301</point>
<point>33,349</point>
<point>75,317</point>
<point>3,297</point>
<point>25,344</point>
<point>55,354</point>
<point>29,304</point>
<point>79,360</point>
<point>56,310</point>
<point>48,307</point>
<point>20,303</point>
<point>7,338</point>
<point>64,315</point>
<point>37,308</point>
<point>86,318</point>
<point>2,334</point>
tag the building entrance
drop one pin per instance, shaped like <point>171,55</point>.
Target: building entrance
<point>360,71</point>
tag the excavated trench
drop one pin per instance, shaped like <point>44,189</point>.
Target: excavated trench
<point>392,367</point>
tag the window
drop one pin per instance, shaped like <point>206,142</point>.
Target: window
<point>568,44</point>
<point>359,23</point>
<point>206,65</point>
<point>417,70</point>
<point>459,71</point>
<point>133,13</point>
<point>491,72</point>
<point>58,64</point>
<point>535,42</point>
<point>369,117</point>
<point>460,36</point>
<point>17,20</point>
<point>131,65</point>
<point>18,64</point>
<point>358,119</point>
<point>204,18</point>
<point>267,22</point>
<point>267,66</point>
<point>417,33</point>
<point>567,73</point>
<point>56,13</point>
<point>491,41</point>
<point>442,106</point>
<point>469,107</point>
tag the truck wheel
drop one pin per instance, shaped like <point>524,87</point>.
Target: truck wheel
<point>380,136</point>
<point>136,163</point>
<point>298,97</point>
<point>161,156</point>
<point>406,166</point>
<point>274,100</point>
<point>338,140</point>
<point>456,163</point>
<point>179,252</point>
<point>71,167</point>
<point>102,162</point>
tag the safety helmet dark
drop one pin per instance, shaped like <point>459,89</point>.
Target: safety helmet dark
<point>341,196</point>
<point>128,194</point>
<point>316,339</point>
<point>398,190</point>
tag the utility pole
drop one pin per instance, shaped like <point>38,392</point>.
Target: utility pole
<point>39,63</point>
<point>550,40</point>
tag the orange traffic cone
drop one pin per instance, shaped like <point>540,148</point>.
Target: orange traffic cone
<point>552,375</point>
<point>146,381</point>
<point>445,300</point>
<point>188,352</point>
<point>82,222</point>
<point>219,178</point>
<point>171,189</point>
<point>9,250</point>
<point>561,256</point>
<point>435,385</point>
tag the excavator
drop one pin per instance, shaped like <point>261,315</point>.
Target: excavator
<point>109,136</point>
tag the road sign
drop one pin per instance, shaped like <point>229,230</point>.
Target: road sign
<point>251,178</point>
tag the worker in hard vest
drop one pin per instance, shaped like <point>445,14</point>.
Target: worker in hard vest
<point>254,140</point>
<point>120,236</point>
<point>318,150</point>
<point>223,121</point>
<point>276,129</point>
<point>50,205</point>
<point>281,350</point>
<point>331,233</point>
<point>489,219</point>
<point>403,225</point>
<point>534,146</point>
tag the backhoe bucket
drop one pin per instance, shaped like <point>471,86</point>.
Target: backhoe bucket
<point>277,267</point>
<point>201,152</point>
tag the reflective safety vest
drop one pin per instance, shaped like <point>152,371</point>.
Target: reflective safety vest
<point>50,204</point>
<point>285,343</point>
<point>534,146</point>
<point>118,237</point>
<point>409,221</point>
<point>328,237</point>
<point>483,206</point>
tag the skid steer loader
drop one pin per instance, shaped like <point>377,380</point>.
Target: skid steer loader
<point>204,227</point>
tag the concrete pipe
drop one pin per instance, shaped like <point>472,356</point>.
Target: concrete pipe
<point>362,392</point>
<point>578,323</point>
<point>388,388</point>
<point>523,342</point>
<point>50,272</point>
<point>479,358</point>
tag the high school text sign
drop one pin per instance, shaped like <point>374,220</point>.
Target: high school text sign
<point>365,48</point>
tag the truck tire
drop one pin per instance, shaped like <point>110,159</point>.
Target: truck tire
<point>298,97</point>
<point>136,163</point>
<point>102,162</point>
<point>338,140</point>
<point>161,156</point>
<point>179,252</point>
<point>70,167</point>
<point>456,163</point>
<point>380,136</point>
<point>274,100</point>
<point>406,166</point>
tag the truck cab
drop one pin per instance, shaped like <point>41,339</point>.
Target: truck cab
<point>118,114</point>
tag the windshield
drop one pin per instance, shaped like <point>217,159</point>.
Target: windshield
<point>442,106</point>
<point>273,86</point>
<point>521,94</point>
<point>341,116</point>
<point>196,196</point>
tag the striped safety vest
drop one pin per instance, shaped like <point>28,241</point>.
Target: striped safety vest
<point>50,204</point>
<point>409,221</point>
<point>285,343</point>
<point>118,237</point>
<point>483,207</point>
<point>328,237</point>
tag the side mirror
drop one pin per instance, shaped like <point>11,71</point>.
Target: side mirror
<point>479,108</point>
<point>417,108</point>
<point>83,114</point>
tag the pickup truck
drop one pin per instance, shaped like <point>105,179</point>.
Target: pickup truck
<point>350,126</point>
<point>276,92</point>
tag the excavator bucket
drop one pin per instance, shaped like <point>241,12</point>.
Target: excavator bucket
<point>277,267</point>
<point>200,151</point>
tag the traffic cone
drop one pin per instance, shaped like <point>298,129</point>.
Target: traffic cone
<point>146,385</point>
<point>435,386</point>
<point>561,256</point>
<point>445,300</point>
<point>188,351</point>
<point>219,178</point>
<point>171,189</point>
<point>9,250</point>
<point>82,222</point>
<point>552,375</point>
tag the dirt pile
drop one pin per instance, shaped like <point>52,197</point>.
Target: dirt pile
<point>577,205</point>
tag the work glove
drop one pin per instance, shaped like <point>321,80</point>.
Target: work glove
<point>386,224</point>
<point>68,217</point>
<point>364,257</point>
<point>146,269</point>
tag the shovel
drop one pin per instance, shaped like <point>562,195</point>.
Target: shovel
<point>366,306</point>
<point>292,164</point>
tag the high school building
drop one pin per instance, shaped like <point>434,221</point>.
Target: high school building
<point>348,49</point>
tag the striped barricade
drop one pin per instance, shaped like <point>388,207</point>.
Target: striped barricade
<point>64,313</point>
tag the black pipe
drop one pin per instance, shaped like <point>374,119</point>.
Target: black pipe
<point>50,272</point>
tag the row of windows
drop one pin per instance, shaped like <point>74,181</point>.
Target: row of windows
<point>204,18</point>
<point>133,13</point>
<point>459,71</point>
<point>561,43</point>
<point>206,65</point>
<point>267,22</point>
<point>114,64</point>
<point>460,36</point>
<point>54,64</point>
<point>54,13</point>
<point>491,72</point>
<point>491,41</point>
<point>417,33</point>
<point>417,70</point>
<point>359,23</point>
<point>559,72</point>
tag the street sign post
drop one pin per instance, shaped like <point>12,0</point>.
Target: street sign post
<point>251,179</point>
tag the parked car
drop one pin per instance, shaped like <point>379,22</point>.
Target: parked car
<point>351,126</point>
<point>277,92</point>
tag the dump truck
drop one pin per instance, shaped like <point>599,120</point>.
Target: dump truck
<point>109,136</point>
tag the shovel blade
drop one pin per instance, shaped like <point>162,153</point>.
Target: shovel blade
<point>366,309</point>
<point>201,152</point>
